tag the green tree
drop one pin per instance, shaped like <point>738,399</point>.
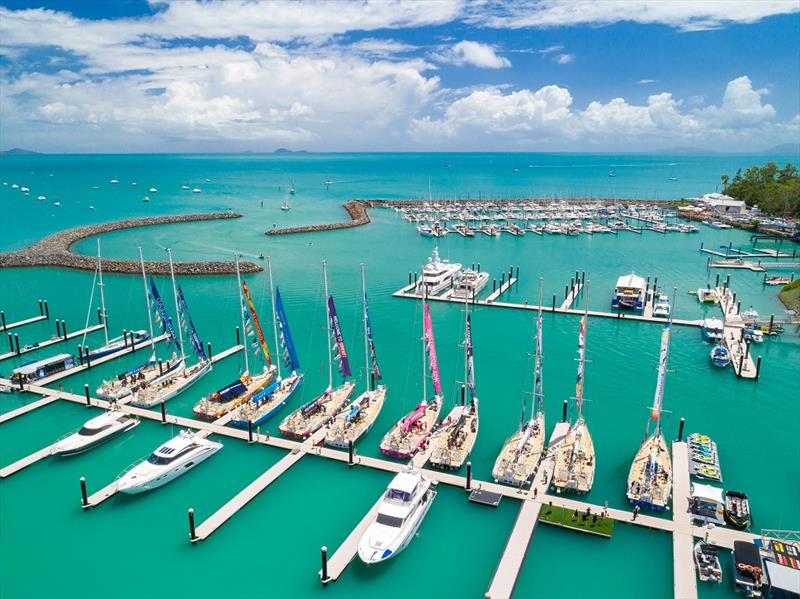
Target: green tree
<point>775,190</point>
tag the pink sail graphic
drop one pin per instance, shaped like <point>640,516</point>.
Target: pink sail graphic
<point>413,417</point>
<point>431,344</point>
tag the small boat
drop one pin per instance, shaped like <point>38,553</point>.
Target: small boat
<point>425,230</point>
<point>712,330</point>
<point>196,190</point>
<point>113,181</point>
<point>673,178</point>
<point>706,504</point>
<point>39,369</point>
<point>612,174</point>
<point>91,207</point>
<point>185,187</point>
<point>292,190</point>
<point>312,416</point>
<point>437,275</point>
<point>753,335</point>
<point>629,293</point>
<point>662,307</point>
<point>41,198</point>
<point>169,461</point>
<point>707,295</point>
<point>134,183</point>
<point>707,562</point>
<point>14,186</point>
<point>328,182</point>
<point>357,418</point>
<point>96,431</point>
<point>750,316</point>
<point>56,204</point>
<point>286,206</point>
<point>153,190</point>
<point>469,284</point>
<point>737,510</point>
<point>777,280</point>
<point>146,199</point>
<point>748,570</point>
<point>720,356</point>
<point>404,505</point>
<point>24,189</point>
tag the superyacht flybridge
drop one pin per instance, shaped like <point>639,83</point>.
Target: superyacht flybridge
<point>516,465</point>
<point>575,458</point>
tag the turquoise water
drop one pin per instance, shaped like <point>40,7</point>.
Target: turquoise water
<point>272,546</point>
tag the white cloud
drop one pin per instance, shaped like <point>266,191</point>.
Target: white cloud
<point>686,15</point>
<point>550,49</point>
<point>741,106</point>
<point>645,81</point>
<point>473,53</point>
<point>564,58</point>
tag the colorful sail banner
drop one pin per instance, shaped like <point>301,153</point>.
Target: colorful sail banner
<point>161,314</point>
<point>189,327</point>
<point>289,353</point>
<point>470,361</point>
<point>581,359</point>
<point>256,323</point>
<point>376,371</point>
<point>341,351</point>
<point>431,346</point>
<point>662,373</point>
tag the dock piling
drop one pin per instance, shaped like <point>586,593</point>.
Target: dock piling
<point>46,310</point>
<point>88,358</point>
<point>741,363</point>
<point>350,461</point>
<point>64,329</point>
<point>10,342</point>
<point>88,398</point>
<point>58,328</point>
<point>701,245</point>
<point>192,534</point>
<point>738,307</point>
<point>758,367</point>
<point>84,495</point>
<point>99,316</point>
<point>41,308</point>
<point>133,342</point>
<point>324,574</point>
<point>21,384</point>
<point>494,285</point>
<point>409,277</point>
<point>16,343</point>
<point>771,321</point>
<point>249,432</point>
<point>160,367</point>
<point>717,283</point>
<point>554,302</point>
<point>680,429</point>
<point>125,337</point>
<point>517,271</point>
<point>564,412</point>
<point>468,483</point>
<point>209,350</point>
<point>163,412</point>
<point>502,279</point>
<point>583,278</point>
<point>237,336</point>
<point>566,292</point>
<point>3,319</point>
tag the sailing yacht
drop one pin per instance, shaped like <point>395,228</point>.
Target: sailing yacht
<point>575,458</point>
<point>96,431</point>
<point>231,396</point>
<point>266,403</point>
<point>111,346</point>
<point>151,372</point>
<point>452,447</point>
<point>169,461</point>
<point>357,418</point>
<point>650,478</point>
<point>312,416</point>
<point>400,513</point>
<point>516,465</point>
<point>184,376</point>
<point>412,431</point>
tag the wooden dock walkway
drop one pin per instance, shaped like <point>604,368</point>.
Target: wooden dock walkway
<point>349,547</point>
<point>741,360</point>
<point>572,295</point>
<point>47,399</point>
<point>241,499</point>
<point>45,452</point>
<point>738,264</point>
<point>683,575</point>
<point>94,363</point>
<point>22,323</point>
<point>52,341</point>
<point>502,289</point>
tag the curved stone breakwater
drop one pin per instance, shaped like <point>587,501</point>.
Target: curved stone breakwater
<point>56,250</point>
<point>357,209</point>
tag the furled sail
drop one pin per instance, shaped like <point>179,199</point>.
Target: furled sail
<point>340,351</point>
<point>431,347</point>
<point>188,327</point>
<point>662,375</point>
<point>470,361</point>
<point>161,315</point>
<point>376,371</point>
<point>256,324</point>
<point>288,351</point>
<point>581,362</point>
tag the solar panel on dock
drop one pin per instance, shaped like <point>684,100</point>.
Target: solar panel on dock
<point>485,497</point>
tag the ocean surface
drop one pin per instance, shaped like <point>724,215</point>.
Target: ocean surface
<point>138,546</point>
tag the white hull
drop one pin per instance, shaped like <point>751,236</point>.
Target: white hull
<point>180,381</point>
<point>341,433</point>
<point>519,458</point>
<point>107,425</point>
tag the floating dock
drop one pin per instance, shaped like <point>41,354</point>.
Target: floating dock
<point>22,323</point>
<point>684,579</point>
<point>47,399</point>
<point>48,342</point>
<point>572,295</point>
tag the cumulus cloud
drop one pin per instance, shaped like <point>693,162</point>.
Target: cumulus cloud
<point>473,53</point>
<point>741,106</point>
<point>686,15</point>
<point>564,58</point>
<point>645,81</point>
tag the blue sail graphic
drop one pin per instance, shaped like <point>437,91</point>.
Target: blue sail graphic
<point>161,314</point>
<point>340,353</point>
<point>375,368</point>
<point>197,345</point>
<point>289,353</point>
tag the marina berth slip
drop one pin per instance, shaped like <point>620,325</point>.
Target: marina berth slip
<point>521,453</point>
<point>712,330</point>
<point>96,431</point>
<point>575,457</point>
<point>437,275</point>
<point>357,418</point>
<point>629,293</point>
<point>458,432</point>
<point>412,431</point>
<point>309,418</point>
<point>230,397</point>
<point>401,511</point>
<point>169,461</point>
<point>650,478</point>
<point>183,376</point>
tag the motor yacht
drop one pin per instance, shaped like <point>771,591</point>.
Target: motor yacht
<point>720,356</point>
<point>662,307</point>
<point>402,509</point>
<point>169,461</point>
<point>437,274</point>
<point>470,284</point>
<point>712,330</point>
<point>707,295</point>
<point>96,431</point>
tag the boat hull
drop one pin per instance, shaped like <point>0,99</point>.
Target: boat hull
<point>76,450</point>
<point>155,399</point>
<point>172,473</point>
<point>342,438</point>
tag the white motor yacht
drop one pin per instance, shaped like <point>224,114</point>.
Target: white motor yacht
<point>662,307</point>
<point>96,431</point>
<point>175,457</point>
<point>469,284</point>
<point>402,509</point>
<point>437,274</point>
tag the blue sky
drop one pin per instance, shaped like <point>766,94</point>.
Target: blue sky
<point>547,75</point>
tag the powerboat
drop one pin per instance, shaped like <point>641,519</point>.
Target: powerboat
<point>737,510</point>
<point>437,274</point>
<point>707,295</point>
<point>469,284</point>
<point>662,307</point>
<point>707,562</point>
<point>629,293</point>
<point>95,431</point>
<point>712,330</point>
<point>720,356</point>
<point>400,513</point>
<point>753,335</point>
<point>748,572</point>
<point>169,461</point>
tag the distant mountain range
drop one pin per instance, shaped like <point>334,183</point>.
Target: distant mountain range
<point>793,149</point>
<point>16,152</point>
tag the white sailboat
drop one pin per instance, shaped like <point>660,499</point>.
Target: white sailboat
<point>357,418</point>
<point>650,478</point>
<point>460,429</point>
<point>184,377</point>
<point>519,458</point>
<point>575,457</point>
<point>309,418</point>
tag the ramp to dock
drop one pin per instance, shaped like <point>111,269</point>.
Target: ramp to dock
<point>502,289</point>
<point>105,493</point>
<point>684,580</point>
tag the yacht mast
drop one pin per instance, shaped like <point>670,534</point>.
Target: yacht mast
<point>366,341</point>
<point>177,309</point>
<point>102,295</point>
<point>582,356</point>
<point>147,300</point>
<point>327,325</point>
<point>274,317</point>
<point>538,394</point>
<point>241,314</point>
<point>658,400</point>
<point>424,351</point>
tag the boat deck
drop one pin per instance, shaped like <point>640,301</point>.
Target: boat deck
<point>51,341</point>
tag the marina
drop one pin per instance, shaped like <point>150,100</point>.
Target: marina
<point>47,342</point>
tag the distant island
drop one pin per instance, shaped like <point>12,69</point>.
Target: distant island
<point>287,151</point>
<point>17,152</point>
